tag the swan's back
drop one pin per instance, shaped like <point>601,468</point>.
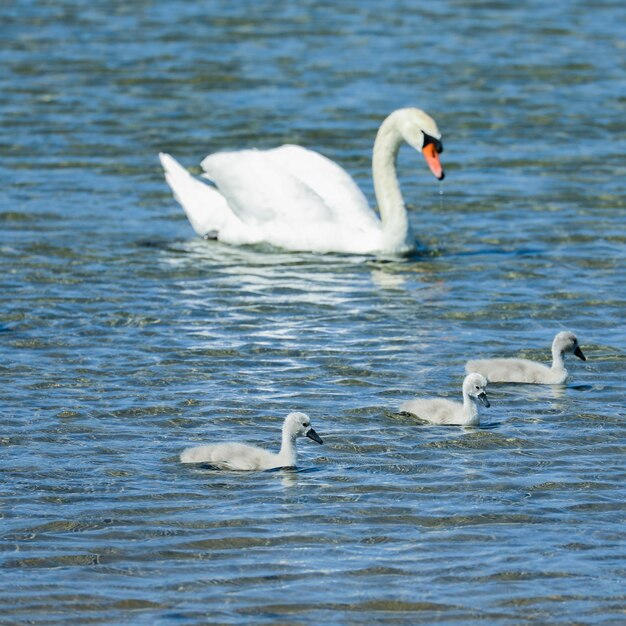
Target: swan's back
<point>261,192</point>
<point>289,185</point>
<point>330,181</point>
<point>435,411</point>
<point>234,456</point>
<point>515,371</point>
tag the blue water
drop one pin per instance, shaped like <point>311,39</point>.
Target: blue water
<point>124,338</point>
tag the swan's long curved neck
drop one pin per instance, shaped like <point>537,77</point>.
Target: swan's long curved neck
<point>396,230</point>
<point>287,454</point>
<point>558,362</point>
<point>470,410</point>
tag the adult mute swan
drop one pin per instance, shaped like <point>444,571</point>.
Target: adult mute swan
<point>240,456</point>
<point>527,371</point>
<point>442,411</point>
<point>297,199</point>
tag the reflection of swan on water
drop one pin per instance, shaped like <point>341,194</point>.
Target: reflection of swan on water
<point>297,199</point>
<point>288,478</point>
<point>387,280</point>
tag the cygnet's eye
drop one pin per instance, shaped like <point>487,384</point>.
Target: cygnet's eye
<point>304,424</point>
<point>477,386</point>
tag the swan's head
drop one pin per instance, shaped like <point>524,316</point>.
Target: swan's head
<point>566,341</point>
<point>299,425</point>
<point>420,131</point>
<point>475,386</point>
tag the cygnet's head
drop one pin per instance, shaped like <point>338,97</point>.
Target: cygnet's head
<point>475,386</point>
<point>420,131</point>
<point>566,341</point>
<point>299,425</point>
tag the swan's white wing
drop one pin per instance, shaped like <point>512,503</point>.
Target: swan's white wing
<point>330,181</point>
<point>261,191</point>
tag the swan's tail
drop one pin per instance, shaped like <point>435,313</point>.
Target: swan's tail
<point>204,206</point>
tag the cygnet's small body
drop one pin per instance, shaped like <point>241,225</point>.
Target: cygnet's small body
<point>442,411</point>
<point>527,371</point>
<point>240,456</point>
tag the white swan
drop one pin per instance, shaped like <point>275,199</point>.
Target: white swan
<point>442,411</point>
<point>240,456</point>
<point>297,199</point>
<point>526,371</point>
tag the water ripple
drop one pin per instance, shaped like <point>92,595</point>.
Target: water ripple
<point>125,339</point>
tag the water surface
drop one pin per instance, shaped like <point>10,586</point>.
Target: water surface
<point>123,338</point>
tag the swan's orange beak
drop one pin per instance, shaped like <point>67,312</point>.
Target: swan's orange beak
<point>432,158</point>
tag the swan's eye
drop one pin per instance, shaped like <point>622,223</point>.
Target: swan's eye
<point>477,387</point>
<point>304,424</point>
<point>428,140</point>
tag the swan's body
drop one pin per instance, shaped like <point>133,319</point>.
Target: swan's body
<point>527,371</point>
<point>240,456</point>
<point>442,411</point>
<point>297,199</point>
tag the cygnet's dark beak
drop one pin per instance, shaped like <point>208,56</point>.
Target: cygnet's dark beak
<point>311,434</point>
<point>579,353</point>
<point>482,396</point>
